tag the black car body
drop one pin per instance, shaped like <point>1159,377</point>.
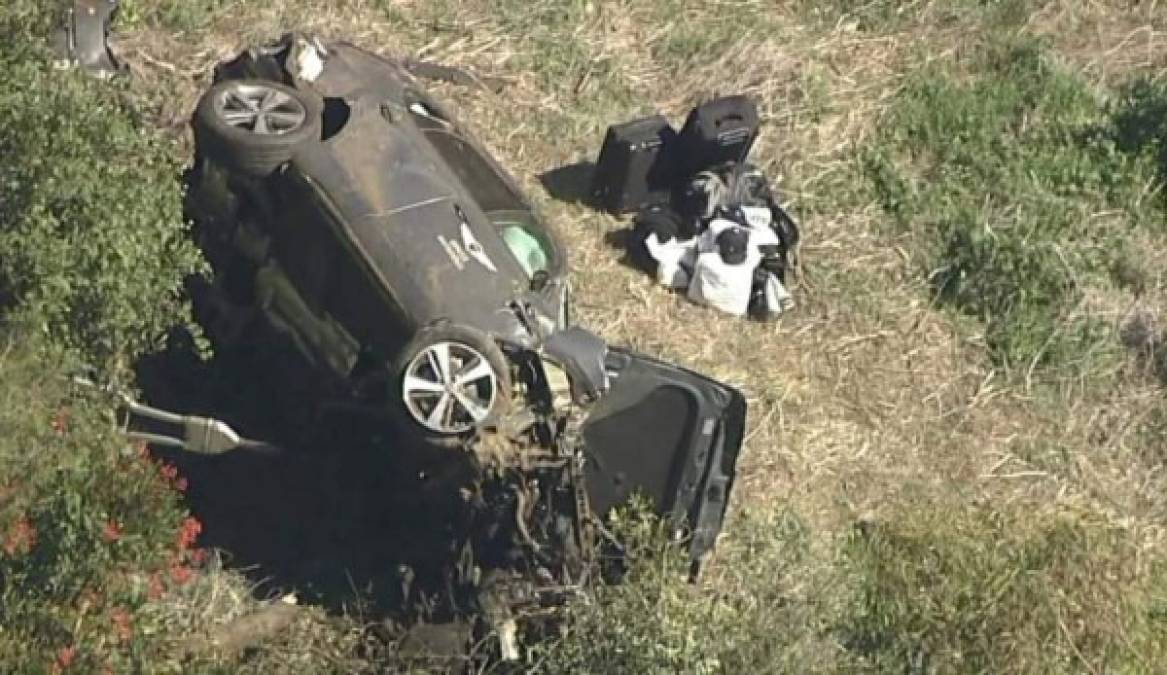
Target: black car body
<point>367,225</point>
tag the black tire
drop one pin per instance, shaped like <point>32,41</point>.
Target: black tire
<point>399,368</point>
<point>240,144</point>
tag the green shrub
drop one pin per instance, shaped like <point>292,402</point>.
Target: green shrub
<point>89,529</point>
<point>1139,121</point>
<point>936,586</point>
<point>953,589</point>
<point>94,244</point>
<point>756,610</point>
<point>93,251</point>
<point>997,175</point>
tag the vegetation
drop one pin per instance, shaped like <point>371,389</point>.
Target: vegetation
<point>93,237</point>
<point>94,253</point>
<point>999,176</point>
<point>954,462</point>
<point>92,529</point>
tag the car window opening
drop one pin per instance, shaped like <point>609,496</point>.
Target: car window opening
<point>336,114</point>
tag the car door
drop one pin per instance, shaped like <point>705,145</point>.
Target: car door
<point>295,289</point>
<point>669,434</point>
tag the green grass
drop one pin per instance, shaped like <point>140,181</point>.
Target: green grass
<point>936,585</point>
<point>173,15</point>
<point>758,614</point>
<point>996,168</point>
<point>882,16</point>
<point>973,589</point>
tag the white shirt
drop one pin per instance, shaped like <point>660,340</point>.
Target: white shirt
<point>674,260</point>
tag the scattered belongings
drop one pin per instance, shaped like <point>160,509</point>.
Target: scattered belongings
<point>707,222</point>
<point>727,243</point>
<point>81,41</point>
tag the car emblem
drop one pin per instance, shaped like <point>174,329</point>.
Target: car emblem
<point>470,243</point>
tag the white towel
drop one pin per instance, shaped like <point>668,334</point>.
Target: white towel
<point>674,260</point>
<point>778,299</point>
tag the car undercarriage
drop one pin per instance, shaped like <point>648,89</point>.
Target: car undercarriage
<point>381,281</point>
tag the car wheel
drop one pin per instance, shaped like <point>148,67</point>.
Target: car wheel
<point>452,380</point>
<point>255,126</point>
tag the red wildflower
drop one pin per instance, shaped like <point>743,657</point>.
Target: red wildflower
<point>198,556</point>
<point>123,623</point>
<point>180,484</point>
<point>21,538</point>
<point>180,574</point>
<point>169,472</point>
<point>111,532</point>
<point>61,422</point>
<point>65,657</point>
<point>155,589</point>
<point>188,532</point>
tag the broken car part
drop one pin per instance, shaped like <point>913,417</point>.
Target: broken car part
<point>193,433</point>
<point>581,353</point>
<point>726,241</point>
<point>82,39</point>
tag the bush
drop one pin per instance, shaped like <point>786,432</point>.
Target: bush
<point>937,586</point>
<point>762,607</point>
<point>997,175</point>
<point>89,529</point>
<point>94,255</point>
<point>95,247</point>
<point>1139,121</point>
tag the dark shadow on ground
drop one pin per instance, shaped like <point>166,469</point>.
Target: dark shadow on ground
<point>343,514</point>
<point>571,183</point>
<point>620,240</point>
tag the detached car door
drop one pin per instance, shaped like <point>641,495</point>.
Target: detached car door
<point>668,434</point>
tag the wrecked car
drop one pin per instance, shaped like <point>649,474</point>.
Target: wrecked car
<point>343,206</point>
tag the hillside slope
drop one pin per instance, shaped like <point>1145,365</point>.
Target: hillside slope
<point>955,453</point>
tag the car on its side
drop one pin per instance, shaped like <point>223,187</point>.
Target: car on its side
<point>347,208</point>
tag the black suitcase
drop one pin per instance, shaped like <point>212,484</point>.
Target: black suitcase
<point>634,169</point>
<point>720,131</point>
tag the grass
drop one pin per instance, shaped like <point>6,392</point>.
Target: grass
<point>953,462</point>
<point>1017,197</point>
<point>982,589</point>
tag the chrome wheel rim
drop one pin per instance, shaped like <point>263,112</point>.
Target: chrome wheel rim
<point>449,387</point>
<point>266,111</point>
